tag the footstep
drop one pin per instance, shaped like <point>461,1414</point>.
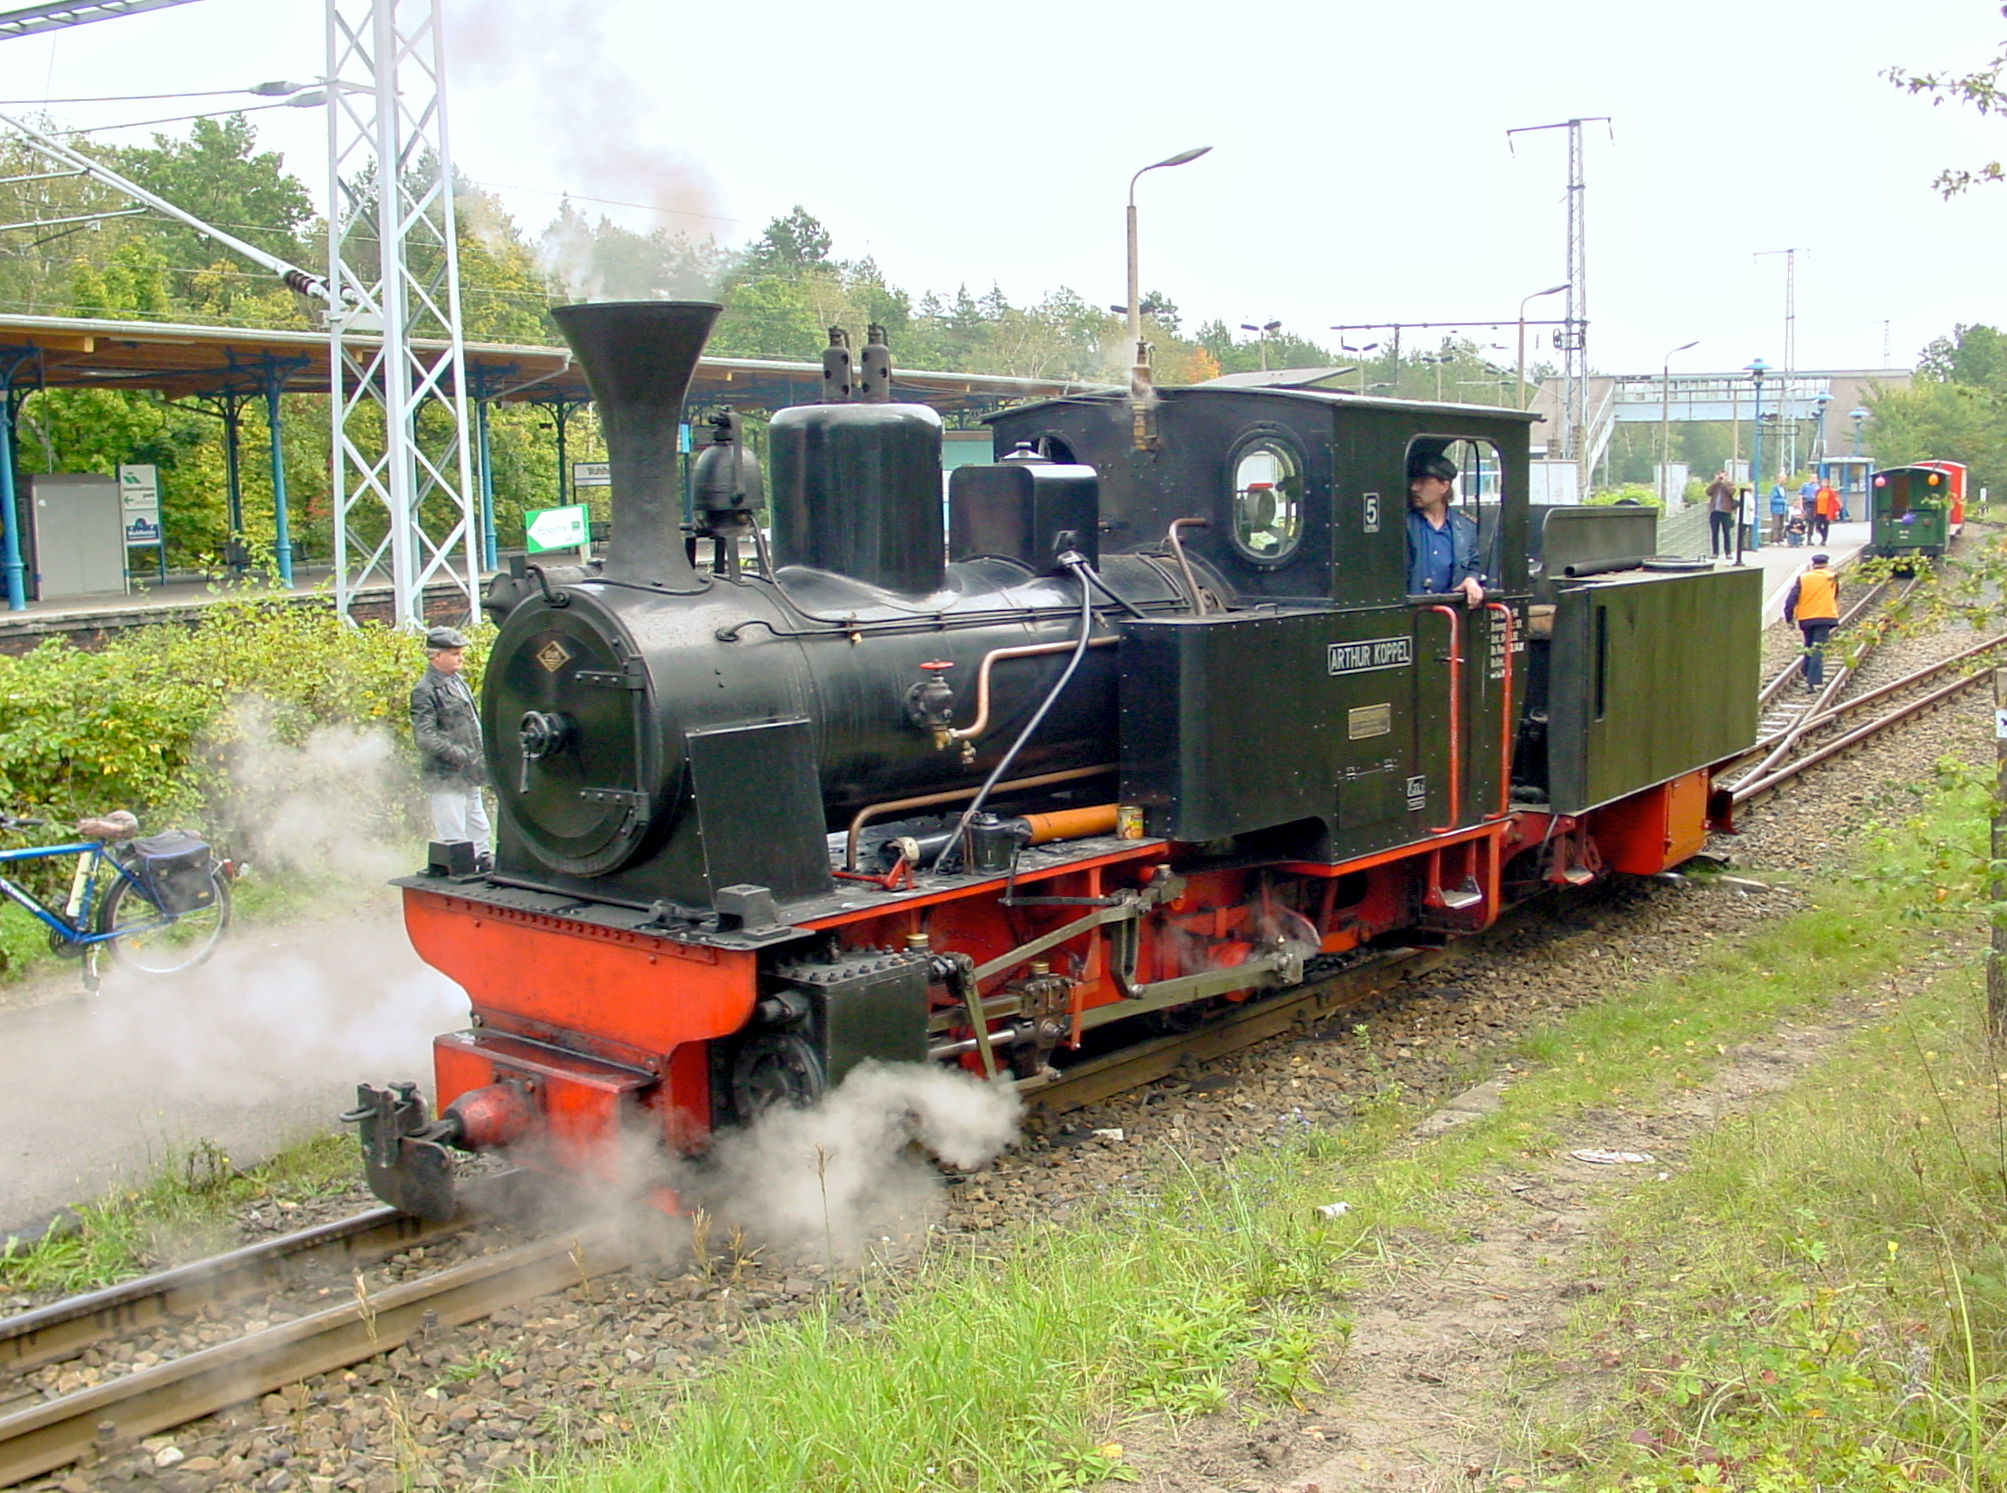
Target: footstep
<point>1613,1158</point>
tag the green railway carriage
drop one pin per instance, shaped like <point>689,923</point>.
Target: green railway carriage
<point>1912,509</point>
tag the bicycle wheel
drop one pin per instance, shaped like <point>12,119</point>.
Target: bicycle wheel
<point>156,943</point>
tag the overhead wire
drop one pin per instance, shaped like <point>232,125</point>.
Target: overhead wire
<point>139,124</point>
<point>681,212</point>
<point>124,98</point>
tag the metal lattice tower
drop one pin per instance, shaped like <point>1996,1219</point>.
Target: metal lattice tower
<point>1571,340</point>
<point>1790,435</point>
<point>401,484</point>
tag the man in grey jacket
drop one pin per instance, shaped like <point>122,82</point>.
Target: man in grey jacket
<point>446,724</point>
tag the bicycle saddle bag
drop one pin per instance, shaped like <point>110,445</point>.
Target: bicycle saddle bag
<point>175,869</point>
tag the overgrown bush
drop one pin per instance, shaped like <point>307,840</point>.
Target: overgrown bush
<point>160,720</point>
<point>1631,492</point>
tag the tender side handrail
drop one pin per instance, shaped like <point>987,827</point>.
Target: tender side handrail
<point>1506,721</point>
<point>1455,717</point>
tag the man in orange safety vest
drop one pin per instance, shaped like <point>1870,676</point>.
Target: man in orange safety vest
<point>1814,605</point>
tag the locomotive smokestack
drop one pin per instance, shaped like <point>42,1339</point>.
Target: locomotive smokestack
<point>638,358</point>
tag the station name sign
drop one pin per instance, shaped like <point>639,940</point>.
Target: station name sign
<point>1374,653</point>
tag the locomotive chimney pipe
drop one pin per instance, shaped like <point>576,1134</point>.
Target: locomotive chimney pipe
<point>638,358</point>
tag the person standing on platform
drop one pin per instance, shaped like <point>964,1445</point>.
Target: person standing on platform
<point>1721,516</point>
<point>1814,605</point>
<point>1779,511</point>
<point>446,724</point>
<point>1826,504</point>
<point>1808,499</point>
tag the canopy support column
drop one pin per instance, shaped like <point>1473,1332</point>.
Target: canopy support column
<point>12,560</point>
<point>272,378</point>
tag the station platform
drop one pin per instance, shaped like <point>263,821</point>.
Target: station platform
<point>88,620</point>
<point>1783,564</point>
<point>1685,534</point>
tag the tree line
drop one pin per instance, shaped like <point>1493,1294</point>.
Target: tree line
<point>781,293</point>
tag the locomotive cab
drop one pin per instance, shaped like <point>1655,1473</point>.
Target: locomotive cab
<point>1315,706</point>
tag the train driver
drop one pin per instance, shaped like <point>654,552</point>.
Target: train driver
<point>1442,543</point>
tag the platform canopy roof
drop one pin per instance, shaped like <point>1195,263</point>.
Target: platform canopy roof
<point>193,361</point>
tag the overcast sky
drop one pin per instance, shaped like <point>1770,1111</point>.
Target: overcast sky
<point>1360,169</point>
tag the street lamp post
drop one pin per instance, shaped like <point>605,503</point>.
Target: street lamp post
<point>1263,330</point>
<point>1858,415</point>
<point>1438,359</point>
<point>1550,290</point>
<point>1345,346</point>
<point>1182,158</point>
<point>1756,371</point>
<point>1819,403</point>
<point>1665,422</point>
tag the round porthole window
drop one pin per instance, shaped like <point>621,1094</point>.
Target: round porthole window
<point>1267,500</point>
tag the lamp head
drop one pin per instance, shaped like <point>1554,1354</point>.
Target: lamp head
<point>1183,157</point>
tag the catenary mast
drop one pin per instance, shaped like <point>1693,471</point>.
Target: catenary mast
<point>1571,441</point>
<point>402,478</point>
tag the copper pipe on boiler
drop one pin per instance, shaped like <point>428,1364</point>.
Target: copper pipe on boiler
<point>952,796</point>
<point>981,723</point>
<point>1184,563</point>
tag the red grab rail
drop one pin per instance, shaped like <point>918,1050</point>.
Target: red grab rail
<point>1455,717</point>
<point>1507,724</point>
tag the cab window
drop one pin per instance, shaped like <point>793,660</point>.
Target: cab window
<point>1477,489</point>
<point>1267,499</point>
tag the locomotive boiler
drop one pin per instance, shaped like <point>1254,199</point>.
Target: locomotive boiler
<point>1141,719</point>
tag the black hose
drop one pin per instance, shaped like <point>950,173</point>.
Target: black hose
<point>1109,591</point>
<point>1080,570</point>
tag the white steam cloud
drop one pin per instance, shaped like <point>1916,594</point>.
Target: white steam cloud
<point>572,78</point>
<point>267,1040</point>
<point>837,1176</point>
<point>337,802</point>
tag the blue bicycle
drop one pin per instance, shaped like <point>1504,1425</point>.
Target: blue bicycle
<point>159,905</point>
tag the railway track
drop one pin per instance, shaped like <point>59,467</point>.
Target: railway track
<point>1799,735</point>
<point>341,1319</point>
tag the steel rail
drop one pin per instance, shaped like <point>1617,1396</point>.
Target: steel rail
<point>65,1328</point>
<point>1861,701</point>
<point>1744,792</point>
<point>1777,746</point>
<point>106,1416</point>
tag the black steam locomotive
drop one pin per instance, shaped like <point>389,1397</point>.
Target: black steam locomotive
<point>1145,719</point>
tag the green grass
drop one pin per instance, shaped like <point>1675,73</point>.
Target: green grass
<point>1014,1365</point>
<point>1819,1297</point>
<point>186,1207</point>
<point>1006,1364</point>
